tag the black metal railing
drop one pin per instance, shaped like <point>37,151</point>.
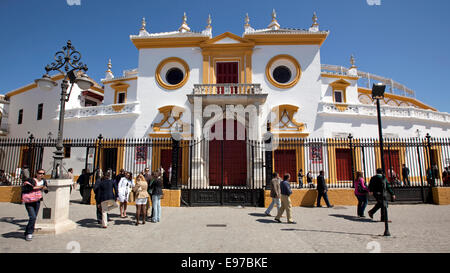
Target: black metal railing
<point>202,164</point>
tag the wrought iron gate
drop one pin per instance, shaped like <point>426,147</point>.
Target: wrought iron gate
<point>209,183</point>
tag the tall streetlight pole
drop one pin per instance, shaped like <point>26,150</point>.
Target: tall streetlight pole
<point>68,59</point>
<point>378,93</point>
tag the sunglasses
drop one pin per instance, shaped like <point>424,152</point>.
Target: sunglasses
<point>41,173</point>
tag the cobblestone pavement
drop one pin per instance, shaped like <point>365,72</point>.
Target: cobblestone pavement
<point>414,228</point>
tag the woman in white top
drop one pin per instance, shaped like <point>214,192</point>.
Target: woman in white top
<point>124,189</point>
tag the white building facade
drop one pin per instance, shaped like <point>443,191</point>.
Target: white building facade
<point>185,82</point>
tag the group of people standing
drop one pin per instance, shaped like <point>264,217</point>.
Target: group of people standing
<point>124,190</point>
<point>280,193</point>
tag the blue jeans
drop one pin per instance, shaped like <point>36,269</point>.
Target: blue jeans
<point>156,208</point>
<point>32,209</point>
<point>325,197</point>
<point>362,204</point>
<point>276,201</point>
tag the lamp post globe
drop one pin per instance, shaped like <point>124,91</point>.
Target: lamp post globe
<point>45,83</point>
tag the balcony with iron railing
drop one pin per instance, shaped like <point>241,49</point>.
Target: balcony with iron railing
<point>228,93</point>
<point>130,108</point>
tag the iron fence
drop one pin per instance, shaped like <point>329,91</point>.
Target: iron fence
<point>202,164</point>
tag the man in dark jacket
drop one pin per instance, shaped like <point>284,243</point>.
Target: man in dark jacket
<point>286,191</point>
<point>83,180</point>
<point>405,175</point>
<point>322,190</point>
<point>376,188</point>
<point>104,191</point>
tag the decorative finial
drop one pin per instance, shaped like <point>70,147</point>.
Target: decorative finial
<point>274,24</point>
<point>109,75</point>
<point>314,18</point>
<point>352,61</point>
<point>184,27</point>
<point>143,24</point>
<point>247,20</point>
<point>209,21</point>
<point>109,66</point>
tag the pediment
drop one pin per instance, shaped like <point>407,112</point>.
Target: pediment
<point>227,39</point>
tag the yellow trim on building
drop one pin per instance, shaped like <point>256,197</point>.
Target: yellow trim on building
<point>31,86</point>
<point>287,39</point>
<point>342,77</point>
<point>292,82</point>
<point>171,42</point>
<point>120,87</point>
<point>413,101</point>
<point>160,66</point>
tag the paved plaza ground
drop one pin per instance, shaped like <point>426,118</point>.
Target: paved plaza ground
<point>414,228</point>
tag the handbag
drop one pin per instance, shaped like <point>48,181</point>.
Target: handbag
<point>31,196</point>
<point>109,205</point>
<point>361,189</point>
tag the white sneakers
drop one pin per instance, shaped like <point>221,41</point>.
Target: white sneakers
<point>29,237</point>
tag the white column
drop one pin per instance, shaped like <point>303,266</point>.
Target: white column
<point>57,200</point>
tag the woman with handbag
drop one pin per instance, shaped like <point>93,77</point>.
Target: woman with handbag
<point>361,193</point>
<point>124,187</point>
<point>141,196</point>
<point>32,195</point>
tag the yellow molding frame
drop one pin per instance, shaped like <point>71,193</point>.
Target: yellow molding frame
<point>362,90</point>
<point>290,111</point>
<point>168,112</point>
<point>171,42</point>
<point>120,80</point>
<point>160,66</point>
<point>120,87</point>
<point>342,77</point>
<point>287,39</point>
<point>30,87</point>
<point>293,82</point>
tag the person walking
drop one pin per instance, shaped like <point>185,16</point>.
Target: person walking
<point>376,188</point>
<point>157,193</point>
<point>285,189</point>
<point>70,176</point>
<point>322,190</point>
<point>309,179</point>
<point>32,196</point>
<point>124,187</point>
<point>106,196</point>
<point>275,193</point>
<point>83,181</point>
<point>300,176</point>
<point>361,193</point>
<point>141,197</point>
<point>25,173</point>
<point>405,175</point>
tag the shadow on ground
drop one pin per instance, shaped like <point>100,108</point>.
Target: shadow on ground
<point>352,218</point>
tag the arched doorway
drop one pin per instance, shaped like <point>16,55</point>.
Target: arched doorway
<point>228,155</point>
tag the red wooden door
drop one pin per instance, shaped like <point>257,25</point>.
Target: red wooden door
<point>166,161</point>
<point>227,159</point>
<point>344,165</point>
<point>392,162</point>
<point>227,72</point>
<point>286,162</point>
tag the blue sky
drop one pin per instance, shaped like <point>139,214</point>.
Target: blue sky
<point>407,40</point>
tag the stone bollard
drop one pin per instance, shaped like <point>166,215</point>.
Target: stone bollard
<point>53,215</point>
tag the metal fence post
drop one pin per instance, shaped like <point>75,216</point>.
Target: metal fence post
<point>430,171</point>
<point>174,172</point>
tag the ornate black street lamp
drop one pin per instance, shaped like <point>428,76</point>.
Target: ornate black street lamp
<point>377,94</point>
<point>68,59</point>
